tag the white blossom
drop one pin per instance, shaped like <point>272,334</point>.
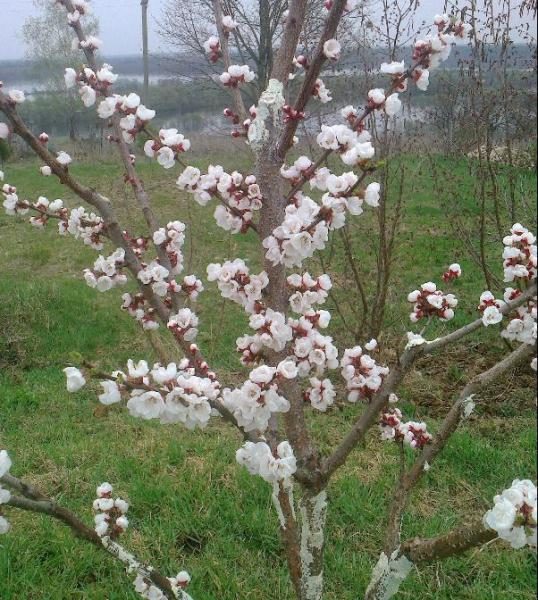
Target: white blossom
<point>75,379</point>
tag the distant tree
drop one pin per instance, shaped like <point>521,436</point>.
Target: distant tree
<point>48,37</point>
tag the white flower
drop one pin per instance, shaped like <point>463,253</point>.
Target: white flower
<point>376,97</point>
<point>148,405</point>
<point>4,133</point>
<point>63,158</point>
<point>262,374</point>
<point>4,525</point>
<point>393,105</point>
<point>491,316</point>
<point>131,101</point>
<point>424,80</point>
<point>45,170</point>
<point>372,194</point>
<point>414,339</point>
<point>393,68</point>
<point>70,77</point>
<point>107,107</point>
<point>144,114</point>
<point>288,369</point>
<point>121,505</point>
<point>122,522</point>
<point>87,95</point>
<point>16,96</point>
<point>103,490</point>
<point>5,462</point>
<point>111,393</point>
<point>166,157</point>
<point>137,370</point>
<point>228,23</point>
<point>501,516</point>
<point>75,379</point>
<point>164,375</point>
<point>332,49</point>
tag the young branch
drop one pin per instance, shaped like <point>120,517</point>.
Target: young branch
<point>453,419</point>
<point>239,105</point>
<point>397,374</point>
<point>33,500</point>
<point>331,25</point>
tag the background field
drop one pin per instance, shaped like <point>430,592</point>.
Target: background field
<point>191,506</point>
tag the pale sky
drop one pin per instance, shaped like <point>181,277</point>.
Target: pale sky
<point>119,22</point>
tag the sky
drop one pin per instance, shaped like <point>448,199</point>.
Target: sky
<point>120,27</point>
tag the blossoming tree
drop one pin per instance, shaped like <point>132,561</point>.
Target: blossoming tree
<point>294,366</point>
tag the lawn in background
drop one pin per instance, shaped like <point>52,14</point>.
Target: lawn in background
<point>192,507</point>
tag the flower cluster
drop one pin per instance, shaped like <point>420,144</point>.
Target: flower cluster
<point>89,227</point>
<point>321,92</point>
<point>308,291</point>
<point>490,309</point>
<point>212,48</point>
<point>259,460</point>
<point>434,49</point>
<point>431,302</point>
<point>412,433</point>
<point>138,308</point>
<point>167,147</point>
<point>453,272</point>
<point>146,589</point>
<point>391,104</point>
<point>106,272</point>
<point>519,255</point>
<point>235,283</point>
<point>312,351</point>
<point>321,394</point>
<point>235,75</point>
<point>520,267</point>
<point>90,83</point>
<point>172,239</point>
<point>110,519</point>
<point>272,332</point>
<point>184,324</point>
<point>240,195</point>
<point>257,399</point>
<point>352,146</point>
<point>5,495</point>
<point>522,324</point>
<point>303,231</point>
<point>361,372</point>
<point>513,515</point>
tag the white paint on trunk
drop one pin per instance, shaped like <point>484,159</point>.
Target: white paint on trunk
<point>313,513</point>
<point>287,487</point>
<point>277,505</point>
<point>468,406</point>
<point>388,575</point>
<point>267,113</point>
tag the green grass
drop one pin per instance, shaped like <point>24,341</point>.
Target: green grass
<point>191,506</point>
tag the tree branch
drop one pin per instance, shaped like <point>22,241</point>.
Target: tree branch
<point>420,550</point>
<point>450,423</point>
<point>34,501</point>
<point>395,377</point>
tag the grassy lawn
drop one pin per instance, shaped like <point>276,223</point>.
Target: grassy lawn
<point>192,507</point>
